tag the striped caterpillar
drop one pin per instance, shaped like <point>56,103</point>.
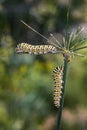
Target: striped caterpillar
<point>58,80</point>
<point>35,49</point>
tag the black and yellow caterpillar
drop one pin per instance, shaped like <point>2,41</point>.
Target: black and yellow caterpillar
<point>58,80</point>
<point>35,49</point>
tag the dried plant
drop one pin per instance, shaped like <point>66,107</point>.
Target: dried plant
<point>71,43</point>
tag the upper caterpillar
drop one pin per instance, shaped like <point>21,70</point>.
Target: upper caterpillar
<point>35,49</point>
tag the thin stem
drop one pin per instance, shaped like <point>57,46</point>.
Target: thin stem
<point>67,24</point>
<point>77,54</point>
<point>62,99</point>
<point>34,30</point>
<point>49,41</point>
<point>60,46</point>
<point>80,48</point>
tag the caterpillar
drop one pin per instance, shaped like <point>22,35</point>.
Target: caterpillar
<point>58,80</point>
<point>35,49</point>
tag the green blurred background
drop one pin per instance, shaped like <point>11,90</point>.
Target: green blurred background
<point>26,84</point>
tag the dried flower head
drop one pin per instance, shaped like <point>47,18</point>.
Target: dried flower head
<point>71,43</point>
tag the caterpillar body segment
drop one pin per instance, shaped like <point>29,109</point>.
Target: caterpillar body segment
<point>58,80</point>
<point>35,49</point>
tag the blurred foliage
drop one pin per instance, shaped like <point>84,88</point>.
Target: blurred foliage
<point>26,86</point>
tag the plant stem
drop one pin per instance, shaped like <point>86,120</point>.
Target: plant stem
<point>62,99</point>
<point>67,24</point>
<point>80,48</point>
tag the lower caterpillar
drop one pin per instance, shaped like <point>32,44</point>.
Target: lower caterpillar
<point>35,49</point>
<point>58,80</point>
